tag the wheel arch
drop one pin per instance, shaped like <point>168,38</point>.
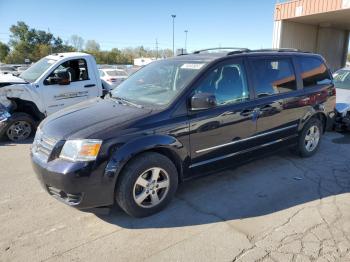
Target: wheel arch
<point>166,145</point>
<point>20,105</point>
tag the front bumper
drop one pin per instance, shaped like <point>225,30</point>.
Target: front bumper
<point>82,184</point>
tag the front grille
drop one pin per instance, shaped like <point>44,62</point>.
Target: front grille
<point>70,199</point>
<point>43,146</point>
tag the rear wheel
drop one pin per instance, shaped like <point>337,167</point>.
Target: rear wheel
<point>310,138</point>
<point>20,127</point>
<point>147,184</point>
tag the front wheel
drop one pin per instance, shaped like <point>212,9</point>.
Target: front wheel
<point>310,138</point>
<point>20,127</point>
<point>147,184</point>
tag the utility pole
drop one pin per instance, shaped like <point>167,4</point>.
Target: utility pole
<point>173,16</point>
<point>186,31</point>
<point>156,48</point>
<point>48,29</point>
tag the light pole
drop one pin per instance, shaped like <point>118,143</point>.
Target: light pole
<point>173,16</point>
<point>186,31</point>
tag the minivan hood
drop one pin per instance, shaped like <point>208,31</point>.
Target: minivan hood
<point>95,118</point>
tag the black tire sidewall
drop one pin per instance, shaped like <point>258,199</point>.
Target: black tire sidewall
<point>20,117</point>
<point>301,143</point>
<point>129,175</point>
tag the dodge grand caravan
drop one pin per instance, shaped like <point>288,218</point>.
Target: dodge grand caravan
<point>179,118</point>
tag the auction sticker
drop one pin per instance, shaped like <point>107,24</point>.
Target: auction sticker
<point>192,66</point>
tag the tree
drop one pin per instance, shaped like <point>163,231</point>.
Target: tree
<point>349,57</point>
<point>77,42</point>
<point>92,46</point>
<point>4,51</point>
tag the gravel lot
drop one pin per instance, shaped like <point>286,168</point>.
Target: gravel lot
<point>280,208</point>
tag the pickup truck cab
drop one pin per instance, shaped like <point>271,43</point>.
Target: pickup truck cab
<point>51,84</point>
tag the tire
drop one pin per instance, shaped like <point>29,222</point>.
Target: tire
<point>20,127</point>
<point>142,170</point>
<point>310,138</point>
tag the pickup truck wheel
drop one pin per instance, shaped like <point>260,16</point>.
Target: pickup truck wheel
<point>310,138</point>
<point>147,185</point>
<point>20,127</point>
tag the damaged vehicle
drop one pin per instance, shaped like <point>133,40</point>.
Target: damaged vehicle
<point>51,84</point>
<point>342,84</point>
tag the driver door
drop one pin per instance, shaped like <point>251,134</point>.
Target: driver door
<point>223,131</point>
<point>80,87</point>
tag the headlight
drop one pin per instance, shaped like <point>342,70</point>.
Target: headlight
<point>81,150</point>
<point>4,115</point>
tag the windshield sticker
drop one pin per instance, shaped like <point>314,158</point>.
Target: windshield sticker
<point>192,66</point>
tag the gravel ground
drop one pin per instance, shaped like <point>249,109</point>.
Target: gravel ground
<point>280,208</point>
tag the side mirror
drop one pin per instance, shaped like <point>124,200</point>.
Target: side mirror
<point>60,77</point>
<point>202,101</point>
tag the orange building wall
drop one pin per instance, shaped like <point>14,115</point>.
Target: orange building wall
<point>309,7</point>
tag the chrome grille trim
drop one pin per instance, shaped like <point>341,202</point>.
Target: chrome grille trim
<point>43,146</point>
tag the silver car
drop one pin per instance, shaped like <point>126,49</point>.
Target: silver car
<point>342,84</point>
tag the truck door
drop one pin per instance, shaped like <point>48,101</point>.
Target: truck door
<point>82,86</point>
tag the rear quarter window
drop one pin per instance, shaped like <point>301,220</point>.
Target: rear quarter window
<point>313,71</point>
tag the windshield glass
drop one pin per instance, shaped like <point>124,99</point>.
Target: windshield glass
<point>158,83</point>
<point>37,69</point>
<point>342,79</point>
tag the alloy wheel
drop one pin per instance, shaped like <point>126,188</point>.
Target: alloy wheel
<point>312,138</point>
<point>151,187</point>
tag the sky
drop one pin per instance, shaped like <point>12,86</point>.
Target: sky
<point>221,23</point>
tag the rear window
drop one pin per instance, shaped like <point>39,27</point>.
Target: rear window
<point>314,71</point>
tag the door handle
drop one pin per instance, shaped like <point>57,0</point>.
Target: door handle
<point>266,108</point>
<point>247,112</point>
<point>89,85</point>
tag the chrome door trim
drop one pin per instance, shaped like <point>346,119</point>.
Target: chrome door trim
<point>241,152</point>
<point>246,139</point>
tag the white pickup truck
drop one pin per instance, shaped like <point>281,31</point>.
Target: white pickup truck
<point>53,83</point>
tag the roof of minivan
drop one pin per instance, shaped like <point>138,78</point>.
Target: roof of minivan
<point>208,57</point>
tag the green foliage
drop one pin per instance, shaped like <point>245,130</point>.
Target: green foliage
<point>4,51</point>
<point>29,43</point>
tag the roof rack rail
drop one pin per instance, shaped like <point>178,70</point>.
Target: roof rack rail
<point>279,50</point>
<point>237,49</point>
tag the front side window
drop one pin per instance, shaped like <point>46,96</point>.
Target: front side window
<point>159,82</point>
<point>77,70</point>
<point>342,79</point>
<point>313,71</point>
<point>273,76</point>
<point>227,82</point>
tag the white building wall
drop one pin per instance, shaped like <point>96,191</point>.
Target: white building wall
<point>329,42</point>
<point>299,36</point>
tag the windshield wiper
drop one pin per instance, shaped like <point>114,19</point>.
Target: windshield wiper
<point>125,101</point>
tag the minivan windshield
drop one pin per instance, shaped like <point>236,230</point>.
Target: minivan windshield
<point>36,70</point>
<point>158,83</point>
<point>342,79</point>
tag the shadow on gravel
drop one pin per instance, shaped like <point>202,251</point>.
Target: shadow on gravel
<point>342,140</point>
<point>10,143</point>
<point>258,188</point>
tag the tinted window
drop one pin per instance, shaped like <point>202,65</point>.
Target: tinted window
<point>313,71</point>
<point>228,84</point>
<point>273,76</point>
